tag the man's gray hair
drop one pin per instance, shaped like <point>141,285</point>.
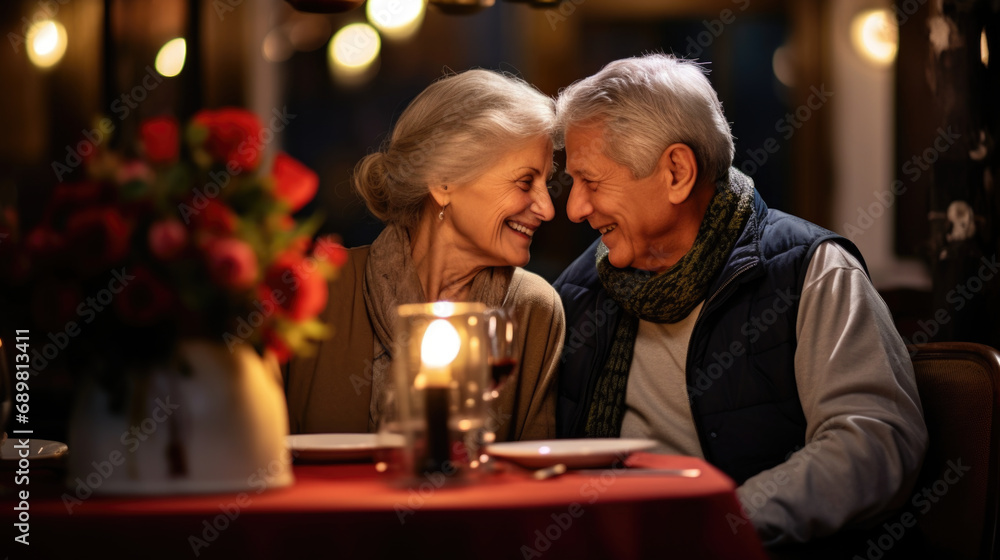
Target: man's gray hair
<point>646,104</point>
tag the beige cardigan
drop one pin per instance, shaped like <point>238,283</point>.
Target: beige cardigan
<point>330,391</point>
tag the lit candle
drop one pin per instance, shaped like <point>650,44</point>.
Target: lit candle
<point>438,350</point>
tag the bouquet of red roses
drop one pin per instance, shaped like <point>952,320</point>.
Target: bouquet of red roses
<point>193,237</point>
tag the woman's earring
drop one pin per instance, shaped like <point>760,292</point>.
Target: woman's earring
<point>441,214</point>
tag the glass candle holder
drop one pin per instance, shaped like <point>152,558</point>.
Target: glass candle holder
<point>440,370</point>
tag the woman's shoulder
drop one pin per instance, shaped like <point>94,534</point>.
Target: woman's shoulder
<point>528,287</point>
<point>353,269</point>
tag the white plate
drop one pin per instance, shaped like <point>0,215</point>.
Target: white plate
<point>574,453</point>
<point>37,449</point>
<point>333,447</point>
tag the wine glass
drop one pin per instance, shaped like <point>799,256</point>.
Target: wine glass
<point>504,350</point>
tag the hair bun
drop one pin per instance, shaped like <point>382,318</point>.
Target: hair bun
<point>371,179</point>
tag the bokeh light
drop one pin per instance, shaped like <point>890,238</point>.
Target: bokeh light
<point>783,65</point>
<point>47,42</point>
<point>353,53</point>
<point>396,19</point>
<point>984,49</point>
<point>875,36</point>
<point>170,59</point>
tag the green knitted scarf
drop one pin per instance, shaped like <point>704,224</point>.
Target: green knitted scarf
<point>667,297</point>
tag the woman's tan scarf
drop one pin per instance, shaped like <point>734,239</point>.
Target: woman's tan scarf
<point>391,280</point>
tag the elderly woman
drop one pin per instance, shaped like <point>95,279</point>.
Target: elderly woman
<point>461,186</point>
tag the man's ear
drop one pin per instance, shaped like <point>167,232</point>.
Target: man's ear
<point>679,169</point>
<point>441,194</point>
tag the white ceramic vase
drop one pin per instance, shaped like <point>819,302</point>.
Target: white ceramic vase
<point>212,421</point>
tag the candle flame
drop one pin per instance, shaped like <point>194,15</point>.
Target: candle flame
<point>440,344</point>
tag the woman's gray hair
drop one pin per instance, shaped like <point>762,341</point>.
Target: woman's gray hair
<point>646,104</point>
<point>450,133</point>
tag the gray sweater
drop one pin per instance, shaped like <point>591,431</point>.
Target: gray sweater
<point>865,431</point>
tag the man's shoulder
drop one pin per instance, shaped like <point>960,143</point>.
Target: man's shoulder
<point>786,235</point>
<point>783,225</point>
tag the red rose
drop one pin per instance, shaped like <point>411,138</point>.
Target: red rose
<point>329,249</point>
<point>269,299</point>
<point>167,238</point>
<point>232,263</point>
<point>68,198</point>
<point>133,171</point>
<point>216,219</point>
<point>276,344</point>
<point>97,238</point>
<point>302,284</point>
<point>234,137</point>
<point>144,300</point>
<point>294,183</point>
<point>159,136</point>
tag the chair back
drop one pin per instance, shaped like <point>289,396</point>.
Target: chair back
<point>955,498</point>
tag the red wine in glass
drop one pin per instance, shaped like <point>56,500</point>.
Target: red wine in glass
<point>503,349</point>
<point>500,370</point>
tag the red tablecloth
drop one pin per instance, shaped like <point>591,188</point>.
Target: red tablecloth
<point>350,511</point>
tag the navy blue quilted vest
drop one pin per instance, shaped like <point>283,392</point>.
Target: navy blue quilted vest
<point>740,362</point>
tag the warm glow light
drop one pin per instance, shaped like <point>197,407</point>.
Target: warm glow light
<point>46,43</point>
<point>875,36</point>
<point>170,59</point>
<point>782,65</point>
<point>440,345</point>
<point>984,49</point>
<point>355,46</point>
<point>277,47</point>
<point>396,19</point>
<point>353,54</point>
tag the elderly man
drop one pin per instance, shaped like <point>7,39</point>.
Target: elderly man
<point>719,327</point>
